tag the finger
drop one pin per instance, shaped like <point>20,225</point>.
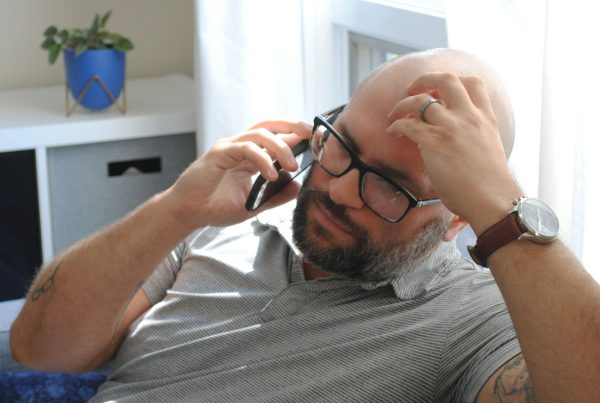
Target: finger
<point>291,139</point>
<point>477,92</point>
<point>447,86</point>
<point>275,146</point>
<point>417,131</point>
<point>410,107</point>
<point>300,128</point>
<point>236,153</point>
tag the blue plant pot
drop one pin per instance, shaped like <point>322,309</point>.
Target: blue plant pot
<point>108,64</point>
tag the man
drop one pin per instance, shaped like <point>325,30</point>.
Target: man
<point>370,302</point>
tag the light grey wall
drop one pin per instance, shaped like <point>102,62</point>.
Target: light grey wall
<point>162,32</point>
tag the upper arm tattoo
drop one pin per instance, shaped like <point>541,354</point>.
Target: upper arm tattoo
<point>513,384</point>
<point>46,284</point>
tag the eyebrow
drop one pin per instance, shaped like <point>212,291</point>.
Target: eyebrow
<point>387,170</point>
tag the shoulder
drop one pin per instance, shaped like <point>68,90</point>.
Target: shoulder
<point>479,307</point>
<point>480,336</point>
<point>469,281</point>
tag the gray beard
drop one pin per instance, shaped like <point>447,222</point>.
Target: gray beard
<point>366,259</point>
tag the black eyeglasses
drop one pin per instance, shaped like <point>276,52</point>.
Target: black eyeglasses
<point>380,194</point>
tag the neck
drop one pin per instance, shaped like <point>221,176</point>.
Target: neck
<point>312,272</point>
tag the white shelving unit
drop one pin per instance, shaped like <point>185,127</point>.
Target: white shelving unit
<point>34,119</point>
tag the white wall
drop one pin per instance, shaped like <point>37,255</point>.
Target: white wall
<point>162,33</point>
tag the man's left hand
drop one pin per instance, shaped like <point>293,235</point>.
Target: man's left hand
<point>460,144</point>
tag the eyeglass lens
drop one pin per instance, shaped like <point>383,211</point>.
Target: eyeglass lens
<point>378,193</point>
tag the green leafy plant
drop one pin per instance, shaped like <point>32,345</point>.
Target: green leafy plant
<point>96,37</point>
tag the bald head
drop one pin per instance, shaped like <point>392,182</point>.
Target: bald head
<point>398,72</point>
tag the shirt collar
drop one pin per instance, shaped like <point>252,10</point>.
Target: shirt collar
<point>280,219</point>
<point>412,282</point>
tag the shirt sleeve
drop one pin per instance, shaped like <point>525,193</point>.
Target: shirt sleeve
<point>164,275</point>
<point>480,340</point>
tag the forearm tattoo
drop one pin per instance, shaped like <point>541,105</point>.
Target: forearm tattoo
<point>46,285</point>
<point>513,384</point>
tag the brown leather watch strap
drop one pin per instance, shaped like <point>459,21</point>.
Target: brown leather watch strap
<point>495,237</point>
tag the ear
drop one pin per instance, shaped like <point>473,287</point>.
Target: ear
<point>456,225</point>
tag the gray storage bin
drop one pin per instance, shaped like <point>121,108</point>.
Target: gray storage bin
<point>93,185</point>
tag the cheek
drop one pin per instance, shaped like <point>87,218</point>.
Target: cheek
<point>388,233</point>
<point>406,229</point>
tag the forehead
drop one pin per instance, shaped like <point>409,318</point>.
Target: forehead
<point>388,84</point>
<point>365,120</point>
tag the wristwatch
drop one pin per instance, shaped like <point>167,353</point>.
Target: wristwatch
<point>529,219</point>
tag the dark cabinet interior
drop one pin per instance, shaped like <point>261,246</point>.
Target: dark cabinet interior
<point>20,241</point>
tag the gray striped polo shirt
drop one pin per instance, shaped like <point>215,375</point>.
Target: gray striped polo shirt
<point>233,319</point>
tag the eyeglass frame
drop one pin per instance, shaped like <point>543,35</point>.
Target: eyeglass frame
<point>326,119</point>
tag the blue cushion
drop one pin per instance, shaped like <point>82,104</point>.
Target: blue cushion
<point>34,386</point>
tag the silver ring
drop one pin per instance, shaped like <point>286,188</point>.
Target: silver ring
<point>426,105</point>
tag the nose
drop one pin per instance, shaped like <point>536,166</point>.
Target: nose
<point>344,190</point>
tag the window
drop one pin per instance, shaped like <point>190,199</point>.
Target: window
<point>344,40</point>
<point>373,31</point>
<point>366,53</point>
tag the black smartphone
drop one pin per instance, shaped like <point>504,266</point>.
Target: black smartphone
<point>262,190</point>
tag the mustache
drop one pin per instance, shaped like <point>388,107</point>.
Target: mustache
<point>337,211</point>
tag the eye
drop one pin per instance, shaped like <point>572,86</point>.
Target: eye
<point>387,187</point>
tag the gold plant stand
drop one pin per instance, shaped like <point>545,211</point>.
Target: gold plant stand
<point>69,109</point>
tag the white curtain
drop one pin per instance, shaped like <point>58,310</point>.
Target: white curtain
<point>547,52</point>
<point>248,66</point>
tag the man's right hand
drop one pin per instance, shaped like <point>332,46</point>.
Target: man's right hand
<point>214,189</point>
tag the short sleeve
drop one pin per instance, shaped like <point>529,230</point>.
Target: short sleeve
<point>164,275</point>
<point>480,340</point>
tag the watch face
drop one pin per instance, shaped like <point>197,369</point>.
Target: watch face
<point>539,219</point>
